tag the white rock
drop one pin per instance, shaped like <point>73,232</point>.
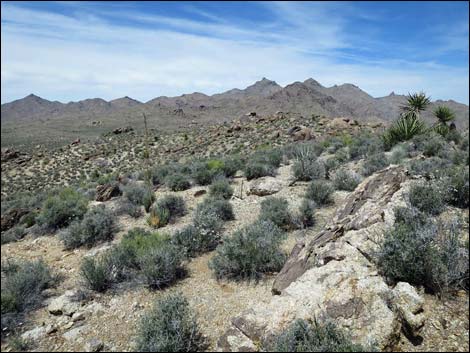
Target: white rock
<point>264,186</point>
<point>34,334</point>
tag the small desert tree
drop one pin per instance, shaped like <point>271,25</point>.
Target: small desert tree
<point>443,115</point>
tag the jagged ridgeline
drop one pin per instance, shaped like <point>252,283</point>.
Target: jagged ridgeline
<point>34,120</point>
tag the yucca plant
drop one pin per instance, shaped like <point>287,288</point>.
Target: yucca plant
<point>409,123</point>
<point>443,115</point>
<point>416,103</point>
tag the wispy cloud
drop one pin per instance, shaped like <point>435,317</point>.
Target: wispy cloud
<point>106,52</point>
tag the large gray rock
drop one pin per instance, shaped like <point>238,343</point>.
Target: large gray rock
<point>264,186</point>
<point>331,276</point>
<point>63,305</point>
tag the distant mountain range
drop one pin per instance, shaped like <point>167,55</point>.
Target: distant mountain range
<point>263,97</point>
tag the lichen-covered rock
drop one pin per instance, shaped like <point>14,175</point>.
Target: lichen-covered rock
<point>63,305</point>
<point>107,191</point>
<point>332,276</point>
<point>264,186</point>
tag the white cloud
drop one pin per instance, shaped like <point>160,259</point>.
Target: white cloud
<point>70,58</point>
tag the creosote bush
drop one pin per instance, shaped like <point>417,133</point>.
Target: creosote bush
<point>303,336</point>
<point>306,214</point>
<point>98,225</point>
<point>276,210</point>
<point>427,197</point>
<point>222,208</point>
<point>166,210</point>
<point>422,252</point>
<point>250,252</point>
<point>255,169</point>
<point>196,240</point>
<point>345,180</point>
<point>22,286</point>
<point>170,326</point>
<point>177,182</point>
<point>60,210</point>
<point>307,169</point>
<point>139,195</point>
<point>374,163</point>
<point>320,191</point>
<point>220,188</point>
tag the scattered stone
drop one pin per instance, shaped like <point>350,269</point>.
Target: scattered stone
<point>200,193</point>
<point>63,305</point>
<point>34,334</point>
<point>410,306</point>
<point>74,334</point>
<point>94,345</point>
<point>51,328</point>
<point>264,186</point>
<point>77,316</point>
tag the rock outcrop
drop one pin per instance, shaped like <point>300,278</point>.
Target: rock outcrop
<point>333,276</point>
<point>264,186</point>
<point>107,191</point>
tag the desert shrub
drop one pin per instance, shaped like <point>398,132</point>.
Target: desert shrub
<point>430,168</point>
<point>127,207</point>
<point>432,145</point>
<point>170,326</point>
<point>202,174</point>
<point>14,234</point>
<point>276,210</point>
<point>139,195</point>
<point>256,169</point>
<point>398,154</point>
<point>303,336</point>
<point>457,187</point>
<point>19,344</point>
<point>272,157</point>
<point>320,191</point>
<point>97,273</point>
<point>166,210</point>
<point>331,164</point>
<point>22,286</point>
<point>304,150</point>
<point>345,180</point>
<point>159,173</point>
<point>454,135</point>
<point>427,197</point>
<point>231,166</point>
<point>250,252</point>
<point>305,217</point>
<point>420,252</point>
<point>222,208</point>
<point>97,225</point>
<point>220,188</point>
<point>196,240</point>
<point>162,265</point>
<point>342,155</point>
<point>308,169</point>
<point>374,163</point>
<point>177,182</point>
<point>363,145</point>
<point>60,210</point>
<point>459,157</point>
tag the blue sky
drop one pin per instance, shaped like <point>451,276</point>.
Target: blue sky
<point>75,50</point>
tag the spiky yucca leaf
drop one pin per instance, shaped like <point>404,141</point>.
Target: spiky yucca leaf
<point>403,129</point>
<point>444,114</point>
<point>416,103</point>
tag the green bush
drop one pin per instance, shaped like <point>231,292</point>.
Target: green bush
<point>320,191</point>
<point>331,164</point>
<point>276,210</point>
<point>374,163</point>
<point>222,208</point>
<point>203,174</point>
<point>97,273</point>
<point>432,145</point>
<point>345,180</point>
<point>162,265</point>
<point>364,145</point>
<point>98,225</point>
<point>306,216</point>
<point>127,207</point>
<point>420,252</point>
<point>457,187</point>
<point>170,326</point>
<point>430,168</point>
<point>232,165</point>
<point>177,182</point>
<point>22,287</point>
<point>302,336</point>
<point>220,188</point>
<point>139,195</point>
<point>60,210</point>
<point>399,153</point>
<point>427,197</point>
<point>250,252</point>
<point>255,169</point>
<point>166,210</point>
<point>196,240</point>
<point>306,170</point>
<point>13,234</point>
